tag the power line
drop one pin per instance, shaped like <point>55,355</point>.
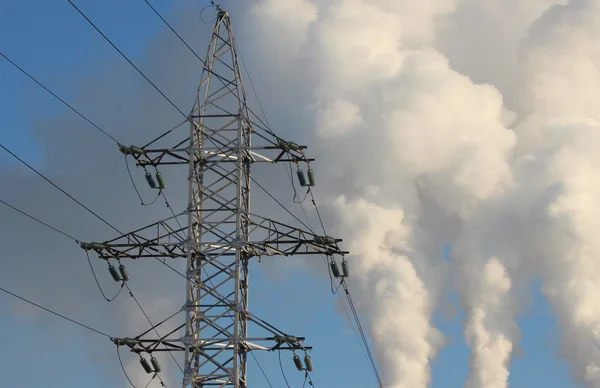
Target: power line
<point>55,313</point>
<point>130,62</point>
<point>280,204</point>
<point>123,367</point>
<point>352,326</point>
<point>282,371</point>
<point>89,210</point>
<point>261,369</point>
<point>39,221</point>
<point>61,190</point>
<point>351,304</point>
<point>152,325</point>
<point>58,98</point>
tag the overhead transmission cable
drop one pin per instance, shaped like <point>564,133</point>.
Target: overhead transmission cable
<point>57,97</point>
<point>70,237</point>
<point>126,58</point>
<point>89,210</point>
<point>39,221</point>
<point>93,125</point>
<point>151,324</point>
<point>54,312</point>
<point>57,187</point>
<point>351,304</point>
<point>282,371</point>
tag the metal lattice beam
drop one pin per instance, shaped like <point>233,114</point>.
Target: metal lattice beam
<point>221,234</point>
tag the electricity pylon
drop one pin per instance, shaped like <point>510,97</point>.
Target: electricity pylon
<point>221,234</point>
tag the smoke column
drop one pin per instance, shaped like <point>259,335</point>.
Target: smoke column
<point>410,142</point>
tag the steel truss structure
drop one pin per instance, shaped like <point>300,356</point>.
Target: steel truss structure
<point>221,234</point>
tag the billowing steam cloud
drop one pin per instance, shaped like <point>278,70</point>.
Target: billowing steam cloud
<point>425,155</point>
<point>401,126</point>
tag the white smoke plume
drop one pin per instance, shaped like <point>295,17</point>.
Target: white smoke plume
<point>562,135</point>
<point>409,142</point>
<point>415,141</point>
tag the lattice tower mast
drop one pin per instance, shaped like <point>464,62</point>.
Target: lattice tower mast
<point>221,235</point>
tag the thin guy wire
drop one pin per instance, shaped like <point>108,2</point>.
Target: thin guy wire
<point>58,98</point>
<point>61,190</point>
<point>55,313</point>
<point>39,221</point>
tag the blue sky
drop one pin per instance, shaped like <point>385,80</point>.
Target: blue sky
<point>53,42</point>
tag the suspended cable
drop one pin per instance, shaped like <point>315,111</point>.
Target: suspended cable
<point>98,283</point>
<point>55,313</point>
<point>347,314</point>
<point>72,238</point>
<point>151,379</point>
<point>135,186</point>
<point>123,367</point>
<point>39,221</point>
<point>131,63</point>
<point>261,370</point>
<point>61,190</point>
<point>58,98</point>
<point>152,325</point>
<point>362,334</point>
<point>89,261</point>
<point>280,204</point>
<point>282,371</point>
<point>351,304</point>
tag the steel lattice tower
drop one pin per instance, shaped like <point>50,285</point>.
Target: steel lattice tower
<point>221,235</point>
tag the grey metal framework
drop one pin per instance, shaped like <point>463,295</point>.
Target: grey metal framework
<point>221,234</point>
